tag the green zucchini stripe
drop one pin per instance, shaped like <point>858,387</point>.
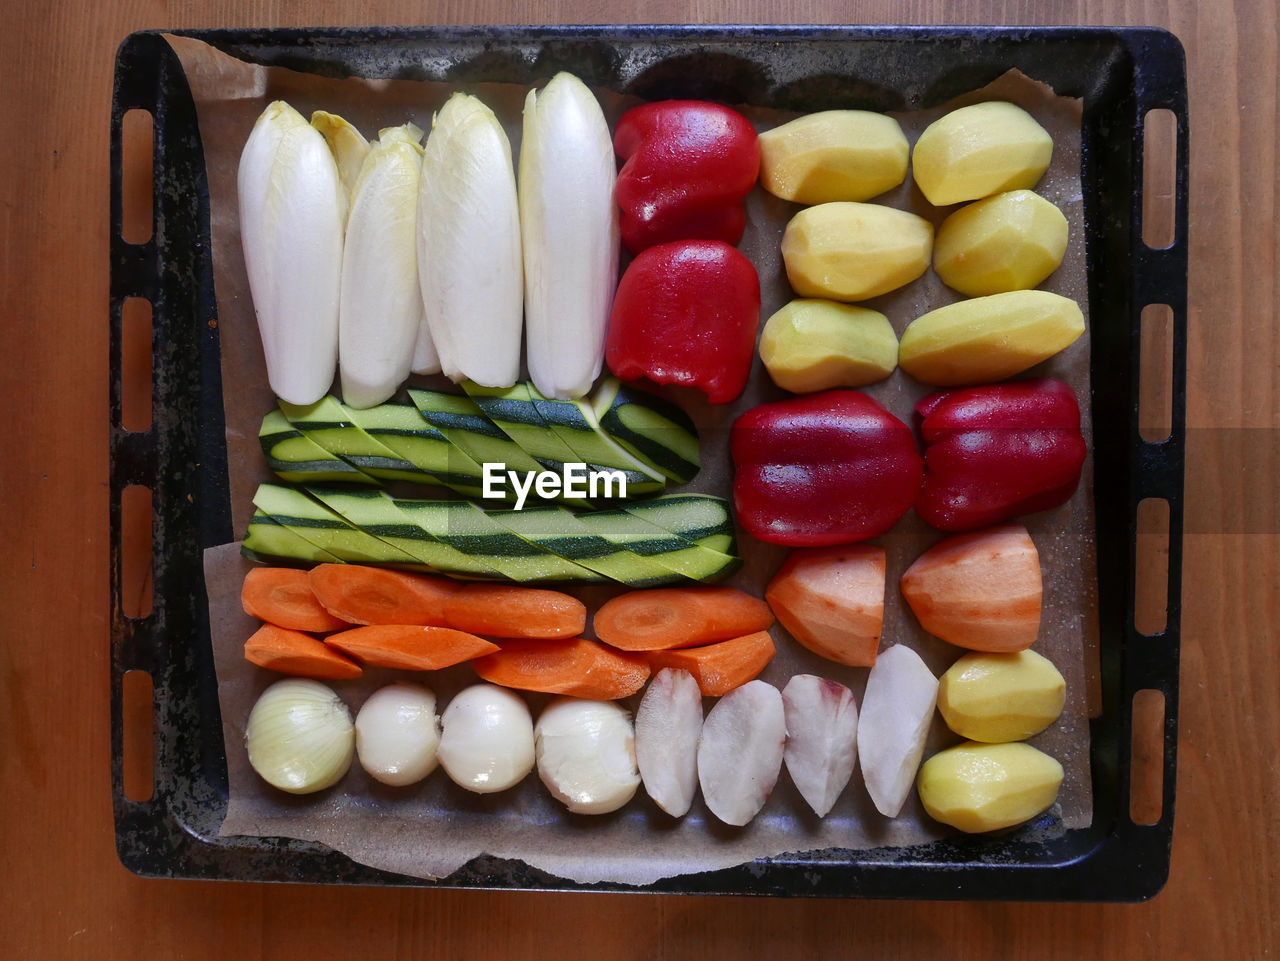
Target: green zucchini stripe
<point>443,440</point>
<point>327,524</point>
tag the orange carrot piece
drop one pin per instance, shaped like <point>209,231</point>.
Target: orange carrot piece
<point>411,647</point>
<point>498,610</point>
<point>719,668</point>
<point>292,652</point>
<point>282,596</point>
<point>375,595</point>
<point>656,620</point>
<point>577,667</point>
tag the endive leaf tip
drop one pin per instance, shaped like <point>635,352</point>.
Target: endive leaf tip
<point>407,132</point>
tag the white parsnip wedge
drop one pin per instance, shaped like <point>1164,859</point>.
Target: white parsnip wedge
<point>897,708</point>
<point>569,228</point>
<point>668,726</point>
<point>469,264</point>
<point>292,210</point>
<point>740,754</point>
<point>822,738</point>
<point>381,307</point>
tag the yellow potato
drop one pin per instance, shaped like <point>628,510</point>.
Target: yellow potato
<point>980,150</point>
<point>1001,697</point>
<point>988,338</point>
<point>812,345</point>
<point>984,787</point>
<point>852,251</point>
<point>833,155</point>
<point>1011,241</point>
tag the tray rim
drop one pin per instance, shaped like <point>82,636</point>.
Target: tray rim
<point>1145,661</point>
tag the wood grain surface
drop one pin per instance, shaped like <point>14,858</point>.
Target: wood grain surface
<point>65,895</point>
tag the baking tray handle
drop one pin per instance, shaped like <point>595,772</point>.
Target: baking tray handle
<point>1159,277</point>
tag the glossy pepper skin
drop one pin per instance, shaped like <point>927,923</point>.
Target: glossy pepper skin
<point>686,313</point>
<point>688,164</point>
<point>828,468</point>
<point>995,452</point>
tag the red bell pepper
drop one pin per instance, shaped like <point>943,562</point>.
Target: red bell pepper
<point>686,313</point>
<point>688,166</point>
<point>828,468</point>
<point>999,451</point>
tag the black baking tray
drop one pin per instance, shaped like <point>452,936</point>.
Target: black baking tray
<point>1121,74</point>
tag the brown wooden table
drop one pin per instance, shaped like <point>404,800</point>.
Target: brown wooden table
<point>64,894</point>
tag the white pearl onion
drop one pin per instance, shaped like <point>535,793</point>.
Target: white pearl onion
<point>587,754</point>
<point>397,734</point>
<point>487,742</point>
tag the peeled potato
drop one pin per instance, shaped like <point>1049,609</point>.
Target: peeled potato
<point>852,251</point>
<point>986,339</point>
<point>812,345</point>
<point>984,787</point>
<point>980,150</point>
<point>833,155</point>
<point>1001,697</point>
<point>1011,241</point>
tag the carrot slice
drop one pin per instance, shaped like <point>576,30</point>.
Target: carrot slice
<point>498,610</point>
<point>655,620</point>
<point>719,668</point>
<point>292,652</point>
<point>577,667</point>
<point>412,647</point>
<point>283,596</point>
<point>374,595</point>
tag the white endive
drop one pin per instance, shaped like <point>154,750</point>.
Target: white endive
<point>346,143</point>
<point>381,308</point>
<point>569,228</point>
<point>469,245</point>
<point>292,208</point>
<point>425,358</point>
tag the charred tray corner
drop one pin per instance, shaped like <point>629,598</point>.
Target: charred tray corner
<point>1121,75</point>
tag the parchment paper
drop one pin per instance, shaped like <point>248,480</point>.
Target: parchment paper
<point>432,829</point>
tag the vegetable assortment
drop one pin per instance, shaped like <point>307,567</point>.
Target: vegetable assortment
<point>446,256</point>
